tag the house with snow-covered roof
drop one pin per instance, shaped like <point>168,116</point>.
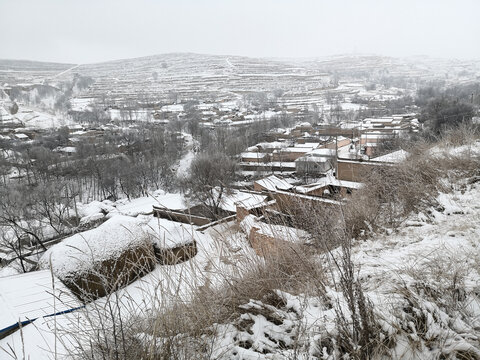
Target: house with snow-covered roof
<point>317,161</point>
<point>337,143</point>
<point>354,170</point>
<point>21,136</point>
<point>291,153</point>
<point>302,128</point>
<point>269,146</point>
<point>329,186</point>
<point>251,156</point>
<point>271,183</point>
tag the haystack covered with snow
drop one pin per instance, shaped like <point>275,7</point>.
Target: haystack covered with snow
<point>96,262</point>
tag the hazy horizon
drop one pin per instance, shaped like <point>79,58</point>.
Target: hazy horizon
<point>284,58</point>
<point>273,58</point>
<point>99,31</point>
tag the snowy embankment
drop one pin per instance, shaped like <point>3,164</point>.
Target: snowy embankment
<point>423,283</point>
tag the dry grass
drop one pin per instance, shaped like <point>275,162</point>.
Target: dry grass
<point>174,325</point>
<point>290,269</point>
<point>464,134</point>
<point>184,327</point>
<point>392,193</point>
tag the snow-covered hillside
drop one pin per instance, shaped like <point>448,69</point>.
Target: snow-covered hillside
<point>422,281</point>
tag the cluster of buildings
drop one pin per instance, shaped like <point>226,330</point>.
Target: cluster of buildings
<point>315,166</point>
<point>314,150</point>
<point>263,207</point>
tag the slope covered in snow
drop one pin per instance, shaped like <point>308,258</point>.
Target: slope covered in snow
<point>416,290</point>
<point>423,284</point>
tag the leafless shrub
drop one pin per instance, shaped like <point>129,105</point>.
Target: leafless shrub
<point>102,330</point>
<point>290,269</point>
<point>359,335</point>
<point>323,221</point>
<point>391,193</point>
<point>464,134</point>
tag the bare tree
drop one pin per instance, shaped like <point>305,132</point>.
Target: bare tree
<point>17,214</point>
<point>210,176</point>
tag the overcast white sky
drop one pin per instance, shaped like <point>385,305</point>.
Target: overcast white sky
<point>83,31</point>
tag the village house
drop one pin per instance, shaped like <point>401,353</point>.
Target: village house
<point>278,134</point>
<point>355,170</point>
<point>286,201</point>
<point>268,167</point>
<point>269,147</point>
<point>308,144</point>
<point>271,183</point>
<point>66,150</point>
<point>316,162</point>
<point>329,186</point>
<point>336,143</point>
<point>291,153</point>
<point>21,136</point>
<point>255,157</point>
<point>302,129</point>
<point>268,239</point>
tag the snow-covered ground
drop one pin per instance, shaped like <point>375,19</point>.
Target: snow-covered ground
<point>429,268</point>
<point>422,280</point>
<point>423,283</point>
<point>216,257</point>
<point>186,160</point>
<point>33,118</point>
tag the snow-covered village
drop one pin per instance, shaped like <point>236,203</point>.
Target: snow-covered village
<point>290,200</point>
